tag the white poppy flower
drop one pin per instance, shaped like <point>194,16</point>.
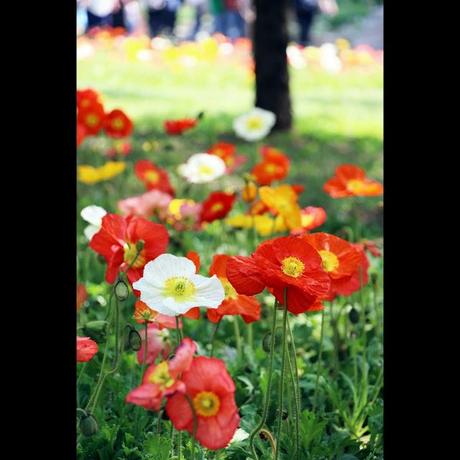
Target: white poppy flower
<point>93,215</point>
<point>254,125</point>
<point>170,286</point>
<point>202,167</point>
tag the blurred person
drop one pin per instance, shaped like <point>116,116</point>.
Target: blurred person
<point>235,25</point>
<point>162,15</point>
<point>217,9</point>
<point>306,12</point>
<point>103,13</point>
<point>133,17</point>
<point>201,7</point>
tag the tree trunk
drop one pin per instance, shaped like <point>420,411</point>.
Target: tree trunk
<point>272,76</point>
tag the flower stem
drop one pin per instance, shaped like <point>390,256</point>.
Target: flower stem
<point>318,366</point>
<point>283,363</point>
<point>214,336</point>
<point>195,422</point>
<point>250,336</point>
<point>178,333</point>
<point>237,335</point>
<point>269,385</point>
<point>295,385</point>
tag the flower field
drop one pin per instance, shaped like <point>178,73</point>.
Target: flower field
<point>229,293</point>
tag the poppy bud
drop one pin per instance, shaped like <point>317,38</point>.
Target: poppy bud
<point>249,192</point>
<point>266,342</point>
<point>121,290</point>
<point>284,414</point>
<point>374,279</point>
<point>96,330</point>
<point>140,245</point>
<point>200,116</point>
<point>134,340</point>
<point>354,315</point>
<point>88,425</point>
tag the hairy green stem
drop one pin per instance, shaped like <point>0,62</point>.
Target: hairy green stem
<point>269,385</point>
<point>318,366</point>
<point>283,363</point>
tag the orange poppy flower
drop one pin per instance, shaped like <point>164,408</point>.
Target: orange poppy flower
<point>310,218</point>
<point>211,391</point>
<point>274,166</point>
<point>175,127</point>
<point>217,206</point>
<point>92,118</point>
<point>350,180</point>
<point>234,304</point>
<point>143,314</point>
<point>285,262</point>
<point>341,260</point>
<point>227,152</point>
<point>87,97</point>
<point>154,178</point>
<point>117,124</point>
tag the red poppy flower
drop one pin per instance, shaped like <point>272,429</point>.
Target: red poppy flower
<point>154,178</point>
<point>82,295</point>
<point>341,261</point>
<point>175,127</point>
<point>234,304</point>
<point>217,206</point>
<point>311,217</point>
<point>92,118</point>
<point>81,133</point>
<point>358,279</point>
<point>350,180</point>
<point>117,239</point>
<point>155,345</point>
<point>87,97</point>
<point>211,390</point>
<point>161,380</point>
<point>117,124</point>
<point>285,262</point>
<point>274,166</point>
<point>86,349</point>
<point>227,152</point>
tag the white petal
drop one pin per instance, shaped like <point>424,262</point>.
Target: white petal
<point>165,266</point>
<point>93,214</point>
<point>90,231</point>
<point>178,308</point>
<point>209,291</point>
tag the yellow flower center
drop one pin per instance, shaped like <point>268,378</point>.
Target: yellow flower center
<point>130,256</point>
<point>92,120</point>
<point>307,219</point>
<point>117,123</point>
<point>206,403</point>
<point>216,207</point>
<point>205,170</point>
<point>355,185</point>
<point>229,290</point>
<point>330,260</point>
<point>292,266</point>
<point>179,288</point>
<point>270,168</point>
<point>152,176</point>
<point>161,376</point>
<point>254,123</point>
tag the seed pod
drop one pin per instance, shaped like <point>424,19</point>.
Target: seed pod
<point>200,115</point>
<point>134,340</point>
<point>140,245</point>
<point>96,330</point>
<point>121,290</point>
<point>354,315</point>
<point>266,342</point>
<point>88,425</point>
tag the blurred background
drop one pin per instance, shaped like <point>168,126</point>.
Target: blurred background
<point>170,59</point>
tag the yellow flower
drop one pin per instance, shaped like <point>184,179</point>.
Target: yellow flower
<point>283,200</point>
<point>90,175</point>
<point>240,221</point>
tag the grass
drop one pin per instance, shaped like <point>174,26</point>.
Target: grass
<point>338,119</point>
